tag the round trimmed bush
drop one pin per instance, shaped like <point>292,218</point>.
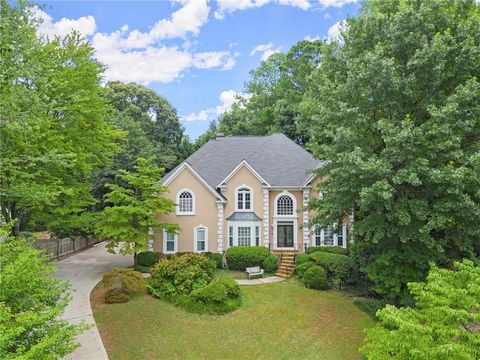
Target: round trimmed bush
<point>270,264</point>
<point>181,274</point>
<point>233,290</point>
<point>241,257</point>
<point>340,268</point>
<point>300,269</point>
<point>315,277</point>
<point>328,249</point>
<point>215,292</point>
<point>301,259</point>
<point>146,258</point>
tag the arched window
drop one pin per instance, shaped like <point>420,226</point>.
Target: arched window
<point>186,202</point>
<point>244,199</point>
<point>285,205</point>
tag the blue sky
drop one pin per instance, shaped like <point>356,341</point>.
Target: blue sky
<point>195,53</point>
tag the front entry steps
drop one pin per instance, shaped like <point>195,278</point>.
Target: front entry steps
<point>287,265</point>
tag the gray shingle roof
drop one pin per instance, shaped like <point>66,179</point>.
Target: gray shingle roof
<point>279,160</point>
<point>244,216</point>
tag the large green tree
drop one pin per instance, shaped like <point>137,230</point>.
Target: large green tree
<point>132,210</point>
<point>444,324</point>
<point>395,106</point>
<point>53,132</point>
<point>275,91</point>
<point>31,301</point>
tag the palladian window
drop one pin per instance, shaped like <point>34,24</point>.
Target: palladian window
<point>186,204</point>
<point>285,205</point>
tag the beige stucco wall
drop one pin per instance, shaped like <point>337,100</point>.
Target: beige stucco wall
<point>242,177</point>
<point>205,214</point>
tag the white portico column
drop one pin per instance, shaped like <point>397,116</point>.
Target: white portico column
<point>306,229</point>
<point>220,227</point>
<point>266,218</point>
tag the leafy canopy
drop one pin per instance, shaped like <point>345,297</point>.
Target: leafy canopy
<point>31,301</point>
<point>444,324</point>
<point>396,108</point>
<point>133,206</point>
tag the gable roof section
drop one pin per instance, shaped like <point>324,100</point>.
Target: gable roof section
<point>244,163</point>
<point>167,179</point>
<point>275,158</point>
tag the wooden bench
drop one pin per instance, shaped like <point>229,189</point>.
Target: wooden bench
<point>254,271</point>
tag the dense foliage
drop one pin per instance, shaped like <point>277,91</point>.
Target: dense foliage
<point>121,285</point>
<point>395,106</point>
<point>270,264</point>
<point>53,128</point>
<point>329,249</point>
<point>444,324</point>
<point>274,96</point>
<point>315,277</point>
<point>147,258</point>
<point>217,257</point>
<point>300,269</point>
<point>181,274</point>
<point>31,301</point>
<point>301,259</point>
<point>241,257</point>
<point>133,209</point>
<point>340,268</point>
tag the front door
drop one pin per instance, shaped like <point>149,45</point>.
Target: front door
<point>285,235</point>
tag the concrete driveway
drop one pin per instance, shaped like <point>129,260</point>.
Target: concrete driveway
<point>85,270</point>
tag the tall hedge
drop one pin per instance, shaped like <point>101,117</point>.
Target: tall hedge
<point>241,257</point>
<point>340,268</point>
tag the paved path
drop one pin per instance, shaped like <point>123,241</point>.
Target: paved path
<point>85,270</point>
<point>267,280</point>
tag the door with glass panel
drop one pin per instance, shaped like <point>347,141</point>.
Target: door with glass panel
<point>285,234</point>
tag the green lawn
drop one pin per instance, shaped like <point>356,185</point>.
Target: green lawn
<point>276,321</point>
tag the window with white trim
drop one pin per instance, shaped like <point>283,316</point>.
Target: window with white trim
<point>285,205</point>
<point>257,235</point>
<point>340,235</point>
<point>170,242</point>
<point>230,235</point>
<point>244,199</point>
<point>186,203</point>
<point>201,241</point>
<point>244,235</point>
<point>318,236</point>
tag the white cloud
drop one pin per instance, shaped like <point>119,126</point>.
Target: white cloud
<point>334,32</point>
<point>336,3</point>
<point>132,55</point>
<point>312,38</point>
<point>85,25</point>
<point>230,6</point>
<point>227,99</point>
<point>266,50</point>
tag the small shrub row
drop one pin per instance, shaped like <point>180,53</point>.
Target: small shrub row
<point>241,257</point>
<point>328,249</point>
<point>339,268</point>
<point>270,264</point>
<point>122,284</point>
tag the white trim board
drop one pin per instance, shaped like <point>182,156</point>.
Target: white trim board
<point>238,167</point>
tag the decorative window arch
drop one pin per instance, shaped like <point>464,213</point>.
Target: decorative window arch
<point>186,202</point>
<point>285,204</point>
<point>244,198</point>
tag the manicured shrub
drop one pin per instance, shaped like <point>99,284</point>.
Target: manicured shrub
<point>241,257</point>
<point>315,277</point>
<point>369,305</point>
<point>300,269</point>
<point>181,274</point>
<point>147,258</point>
<point>217,257</point>
<point>142,268</point>
<point>215,292</point>
<point>327,249</point>
<point>340,268</point>
<point>233,290</point>
<point>121,284</point>
<point>270,264</point>
<point>301,259</point>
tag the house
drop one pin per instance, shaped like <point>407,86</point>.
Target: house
<point>244,191</point>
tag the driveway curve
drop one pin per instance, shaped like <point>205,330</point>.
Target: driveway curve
<point>84,270</point>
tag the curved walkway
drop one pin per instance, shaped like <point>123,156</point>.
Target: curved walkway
<point>84,270</point>
<point>267,280</point>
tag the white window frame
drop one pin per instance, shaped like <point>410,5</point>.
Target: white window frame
<point>181,213</point>
<point>195,238</point>
<point>252,225</point>
<point>335,236</point>
<point>294,203</point>
<point>243,201</point>
<point>175,244</point>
